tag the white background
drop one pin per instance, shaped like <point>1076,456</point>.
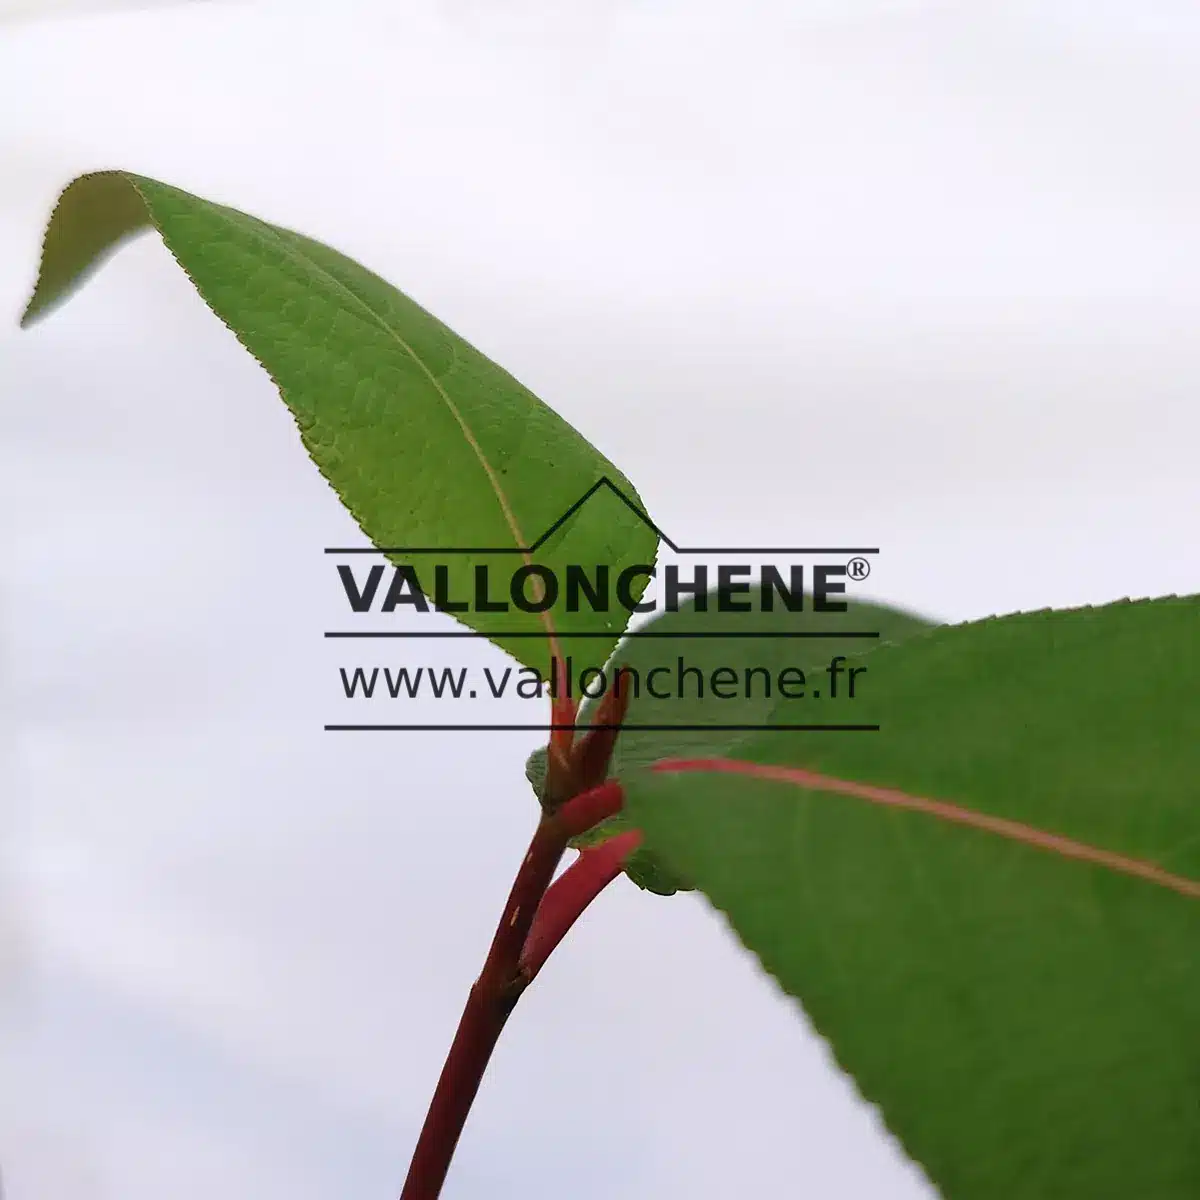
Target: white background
<point>917,275</point>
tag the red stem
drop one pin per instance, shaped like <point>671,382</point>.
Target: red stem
<point>592,752</point>
<point>563,712</point>
<point>495,993</point>
<point>570,894</point>
<point>578,757</point>
<point>588,809</point>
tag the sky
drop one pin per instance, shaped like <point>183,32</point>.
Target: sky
<point>916,275</point>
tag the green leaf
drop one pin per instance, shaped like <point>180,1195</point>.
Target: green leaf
<point>1026,1012</point>
<point>427,442</point>
<point>706,640</point>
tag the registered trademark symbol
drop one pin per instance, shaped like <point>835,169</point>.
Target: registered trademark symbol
<point>858,568</point>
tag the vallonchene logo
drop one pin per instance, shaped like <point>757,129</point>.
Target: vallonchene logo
<point>692,608</point>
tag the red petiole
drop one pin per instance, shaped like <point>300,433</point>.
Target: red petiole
<point>570,894</point>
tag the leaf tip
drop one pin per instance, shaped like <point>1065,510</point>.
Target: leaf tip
<point>94,214</point>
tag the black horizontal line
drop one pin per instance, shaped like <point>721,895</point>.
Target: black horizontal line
<point>776,549</point>
<point>626,728</point>
<point>533,550</point>
<point>661,634</point>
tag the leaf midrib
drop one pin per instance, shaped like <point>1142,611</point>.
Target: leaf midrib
<point>1016,831</point>
<point>267,233</point>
